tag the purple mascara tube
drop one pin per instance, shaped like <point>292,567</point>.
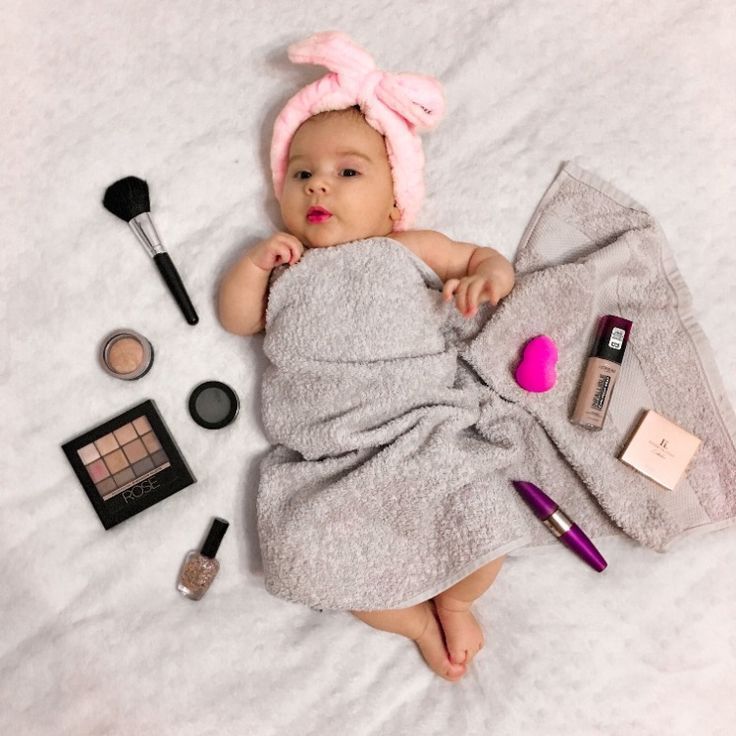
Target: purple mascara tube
<point>569,533</point>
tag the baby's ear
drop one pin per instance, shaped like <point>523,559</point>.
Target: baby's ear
<point>395,213</point>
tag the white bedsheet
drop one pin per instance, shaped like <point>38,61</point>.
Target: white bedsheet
<point>95,639</point>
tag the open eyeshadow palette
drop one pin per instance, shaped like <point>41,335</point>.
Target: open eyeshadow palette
<point>128,463</point>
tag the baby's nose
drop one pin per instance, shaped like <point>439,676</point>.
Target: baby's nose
<point>316,184</point>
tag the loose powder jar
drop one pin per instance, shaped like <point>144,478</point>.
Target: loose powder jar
<point>126,354</point>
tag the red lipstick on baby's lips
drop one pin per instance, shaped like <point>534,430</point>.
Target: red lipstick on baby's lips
<point>318,214</point>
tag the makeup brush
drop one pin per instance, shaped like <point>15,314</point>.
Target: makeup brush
<point>128,199</point>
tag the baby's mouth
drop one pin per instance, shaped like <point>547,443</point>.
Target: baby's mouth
<point>318,214</point>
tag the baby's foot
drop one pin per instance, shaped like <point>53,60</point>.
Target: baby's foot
<point>463,634</point>
<point>432,646</point>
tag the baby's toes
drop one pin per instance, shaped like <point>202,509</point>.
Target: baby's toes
<point>458,655</point>
<point>466,651</point>
<point>463,635</point>
<point>477,646</point>
<point>462,652</point>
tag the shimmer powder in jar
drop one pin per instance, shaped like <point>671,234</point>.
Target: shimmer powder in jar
<point>200,566</point>
<point>126,354</point>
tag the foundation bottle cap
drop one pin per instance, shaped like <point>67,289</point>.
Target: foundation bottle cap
<point>612,338</point>
<point>214,537</point>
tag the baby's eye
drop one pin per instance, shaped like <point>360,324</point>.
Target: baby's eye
<point>349,172</point>
<point>302,175</point>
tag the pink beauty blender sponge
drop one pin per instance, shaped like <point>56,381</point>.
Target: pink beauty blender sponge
<point>537,370</point>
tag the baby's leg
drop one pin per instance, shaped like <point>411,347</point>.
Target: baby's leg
<point>463,635</point>
<point>418,623</point>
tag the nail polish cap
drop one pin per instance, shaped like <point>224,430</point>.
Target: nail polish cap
<point>612,338</point>
<point>539,502</point>
<point>214,537</point>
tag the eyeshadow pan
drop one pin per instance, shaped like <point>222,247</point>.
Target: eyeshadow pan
<point>88,453</point>
<point>143,467</point>
<point>106,486</point>
<point>135,451</point>
<point>142,425</point>
<point>159,458</point>
<point>97,471</point>
<point>116,461</point>
<point>151,442</point>
<point>106,444</point>
<point>213,404</point>
<point>125,434</point>
<point>124,476</point>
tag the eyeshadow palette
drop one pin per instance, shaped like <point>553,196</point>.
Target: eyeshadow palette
<point>128,463</point>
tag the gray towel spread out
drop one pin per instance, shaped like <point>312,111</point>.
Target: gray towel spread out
<point>397,424</point>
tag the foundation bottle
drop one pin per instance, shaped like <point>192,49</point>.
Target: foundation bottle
<point>200,566</point>
<point>601,372</point>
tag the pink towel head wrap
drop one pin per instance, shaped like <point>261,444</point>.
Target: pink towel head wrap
<point>398,106</point>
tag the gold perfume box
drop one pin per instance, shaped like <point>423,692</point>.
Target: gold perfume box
<point>660,449</point>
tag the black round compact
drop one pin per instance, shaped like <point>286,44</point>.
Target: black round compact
<point>213,404</point>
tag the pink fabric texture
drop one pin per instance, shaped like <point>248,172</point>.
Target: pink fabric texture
<point>399,106</point>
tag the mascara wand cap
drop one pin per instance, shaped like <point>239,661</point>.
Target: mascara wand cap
<point>539,502</point>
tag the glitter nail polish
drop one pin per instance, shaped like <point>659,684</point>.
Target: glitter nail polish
<point>200,566</point>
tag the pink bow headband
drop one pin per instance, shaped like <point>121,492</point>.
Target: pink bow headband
<point>398,106</point>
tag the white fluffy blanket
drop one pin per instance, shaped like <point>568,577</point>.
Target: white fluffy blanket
<point>95,638</point>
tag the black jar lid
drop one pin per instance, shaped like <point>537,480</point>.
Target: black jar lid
<point>213,404</point>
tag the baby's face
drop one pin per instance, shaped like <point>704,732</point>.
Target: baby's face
<point>337,163</point>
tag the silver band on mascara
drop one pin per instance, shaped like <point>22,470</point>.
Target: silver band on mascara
<point>558,523</point>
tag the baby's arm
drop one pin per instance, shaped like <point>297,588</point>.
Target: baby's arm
<point>243,292</point>
<point>473,274</point>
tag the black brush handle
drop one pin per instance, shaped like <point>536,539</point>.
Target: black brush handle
<point>170,275</point>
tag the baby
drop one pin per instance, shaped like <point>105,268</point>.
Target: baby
<point>340,178</point>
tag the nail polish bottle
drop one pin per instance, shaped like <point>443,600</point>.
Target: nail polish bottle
<point>601,372</point>
<point>200,566</point>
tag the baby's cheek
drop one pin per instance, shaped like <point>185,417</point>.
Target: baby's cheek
<point>291,224</point>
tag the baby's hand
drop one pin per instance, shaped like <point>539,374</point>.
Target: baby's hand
<point>470,291</point>
<point>279,248</point>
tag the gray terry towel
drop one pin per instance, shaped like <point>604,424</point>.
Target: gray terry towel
<point>397,425</point>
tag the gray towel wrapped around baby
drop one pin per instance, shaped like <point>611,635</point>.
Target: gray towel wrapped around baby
<point>397,424</point>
